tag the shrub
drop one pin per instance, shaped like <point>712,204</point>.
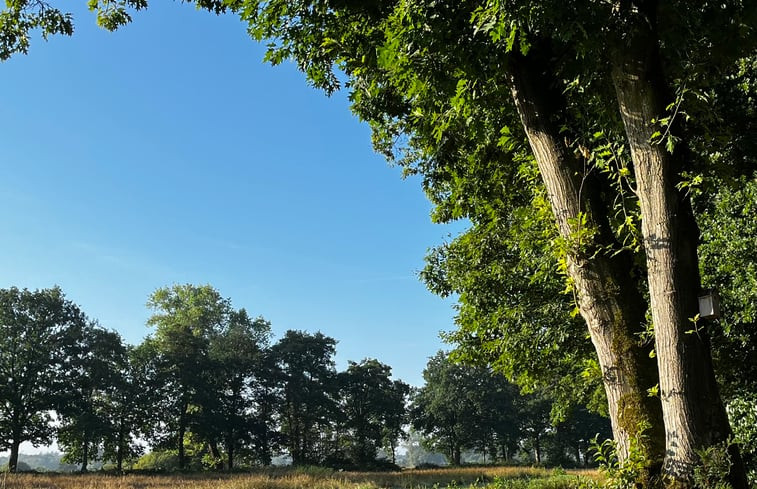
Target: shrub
<point>158,461</point>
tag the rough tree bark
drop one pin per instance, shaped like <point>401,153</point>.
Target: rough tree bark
<point>693,412</point>
<point>608,297</point>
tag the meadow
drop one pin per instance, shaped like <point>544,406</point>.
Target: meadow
<point>315,478</point>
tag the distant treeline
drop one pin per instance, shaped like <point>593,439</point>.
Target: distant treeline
<point>209,387</point>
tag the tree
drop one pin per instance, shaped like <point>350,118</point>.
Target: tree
<point>185,319</point>
<point>373,406</point>
<point>131,403</point>
<point>395,417</point>
<point>535,424</point>
<point>500,422</point>
<point>573,438</point>
<point>85,421</point>
<point>456,411</point>
<point>307,412</point>
<point>38,335</point>
<point>236,354</point>
<point>266,391</point>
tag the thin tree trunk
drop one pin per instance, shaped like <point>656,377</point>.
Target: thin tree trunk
<point>608,296</point>
<point>85,455</point>
<point>120,450</point>
<point>578,455</point>
<point>693,412</point>
<point>182,431</point>
<point>230,449</point>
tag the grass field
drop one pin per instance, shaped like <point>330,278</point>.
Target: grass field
<point>314,478</point>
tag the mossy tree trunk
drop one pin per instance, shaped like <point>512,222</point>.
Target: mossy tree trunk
<point>693,412</point>
<point>608,297</point>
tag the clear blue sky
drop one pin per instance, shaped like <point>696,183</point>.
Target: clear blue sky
<point>167,152</point>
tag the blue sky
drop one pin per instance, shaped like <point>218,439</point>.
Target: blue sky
<point>167,152</point>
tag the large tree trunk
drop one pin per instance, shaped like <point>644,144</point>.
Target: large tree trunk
<point>13,458</point>
<point>693,412</point>
<point>608,296</point>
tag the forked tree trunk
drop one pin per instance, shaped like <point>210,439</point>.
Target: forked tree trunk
<point>693,412</point>
<point>608,296</point>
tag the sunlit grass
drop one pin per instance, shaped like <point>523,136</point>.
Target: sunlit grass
<point>465,477</point>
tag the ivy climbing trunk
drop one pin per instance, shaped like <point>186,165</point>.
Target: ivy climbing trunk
<point>608,297</point>
<point>693,412</point>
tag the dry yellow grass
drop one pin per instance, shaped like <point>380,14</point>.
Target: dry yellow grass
<point>277,479</point>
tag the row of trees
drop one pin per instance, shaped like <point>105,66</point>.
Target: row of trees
<point>209,386</point>
<point>207,377</point>
<point>472,409</point>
